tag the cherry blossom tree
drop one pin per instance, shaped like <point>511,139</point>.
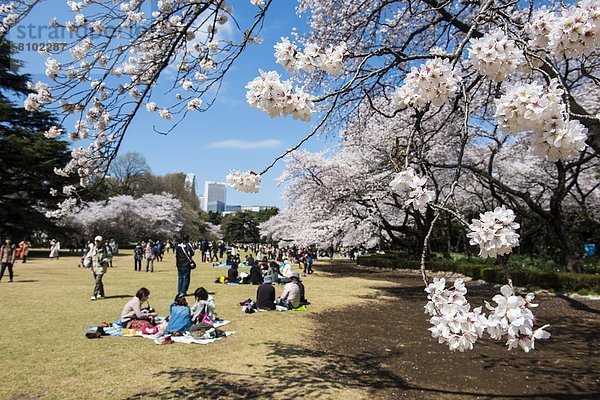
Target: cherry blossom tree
<point>126,218</point>
<point>516,71</point>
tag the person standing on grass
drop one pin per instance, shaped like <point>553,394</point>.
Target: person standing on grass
<point>54,249</point>
<point>24,250</point>
<point>183,260</point>
<point>8,253</point>
<point>99,258</point>
<point>150,256</point>
<point>138,254</point>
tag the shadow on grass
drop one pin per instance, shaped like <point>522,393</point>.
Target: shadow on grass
<point>299,372</point>
<point>303,373</point>
<point>119,296</point>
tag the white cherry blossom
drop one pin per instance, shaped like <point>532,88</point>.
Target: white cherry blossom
<point>248,182</point>
<point>494,232</point>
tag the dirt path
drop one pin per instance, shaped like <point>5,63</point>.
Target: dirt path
<point>384,348</point>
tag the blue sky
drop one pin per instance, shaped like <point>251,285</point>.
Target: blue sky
<point>230,135</point>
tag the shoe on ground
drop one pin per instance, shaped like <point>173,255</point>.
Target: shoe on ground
<point>93,335</point>
<point>93,298</point>
<point>99,297</point>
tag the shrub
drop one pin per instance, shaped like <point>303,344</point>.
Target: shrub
<point>554,281</point>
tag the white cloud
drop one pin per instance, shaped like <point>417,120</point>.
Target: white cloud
<point>244,144</point>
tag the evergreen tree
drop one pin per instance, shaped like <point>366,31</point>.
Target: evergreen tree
<point>27,158</point>
<point>241,227</point>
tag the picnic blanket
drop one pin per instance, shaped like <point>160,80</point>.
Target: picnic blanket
<point>115,330</point>
<point>300,308</point>
<point>223,265</point>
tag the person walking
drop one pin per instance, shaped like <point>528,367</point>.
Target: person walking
<point>99,258</point>
<point>24,250</point>
<point>183,259</point>
<point>8,253</point>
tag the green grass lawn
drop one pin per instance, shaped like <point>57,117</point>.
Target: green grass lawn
<point>44,312</point>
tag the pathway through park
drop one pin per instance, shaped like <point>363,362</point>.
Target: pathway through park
<point>381,350</point>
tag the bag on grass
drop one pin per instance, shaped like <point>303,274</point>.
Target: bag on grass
<point>140,324</point>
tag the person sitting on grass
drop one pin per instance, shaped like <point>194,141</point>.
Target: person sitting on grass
<point>180,319</point>
<point>133,314</point>
<point>290,297</point>
<point>303,301</point>
<point>265,295</point>
<point>204,306</point>
<point>255,277</point>
<point>274,272</point>
<point>232,274</point>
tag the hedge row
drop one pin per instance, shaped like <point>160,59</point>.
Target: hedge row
<point>555,281</point>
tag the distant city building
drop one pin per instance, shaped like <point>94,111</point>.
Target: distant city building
<point>190,183</point>
<point>232,208</point>
<point>215,196</point>
<point>215,206</point>
<point>256,208</point>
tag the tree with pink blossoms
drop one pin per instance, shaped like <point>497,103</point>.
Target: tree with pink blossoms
<point>455,75</point>
<point>127,219</point>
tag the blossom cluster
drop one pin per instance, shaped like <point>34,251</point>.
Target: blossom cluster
<point>572,32</point>
<point>248,182</point>
<point>408,180</point>
<point>10,17</point>
<point>528,107</point>
<point>453,321</point>
<point>64,207</point>
<point>435,82</point>
<point>512,317</point>
<point>329,60</point>
<point>42,95</point>
<point>270,94</point>
<point>455,324</point>
<point>495,55</point>
<point>494,232</point>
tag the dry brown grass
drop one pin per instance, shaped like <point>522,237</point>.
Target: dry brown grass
<point>46,355</point>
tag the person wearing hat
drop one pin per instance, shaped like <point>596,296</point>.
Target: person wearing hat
<point>99,257</point>
<point>290,297</point>
<point>265,294</point>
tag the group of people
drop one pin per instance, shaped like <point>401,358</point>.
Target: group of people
<point>266,274</point>
<point>292,296</point>
<point>182,318</point>
<point>150,251</point>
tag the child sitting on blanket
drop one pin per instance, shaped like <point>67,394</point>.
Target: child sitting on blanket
<point>180,319</point>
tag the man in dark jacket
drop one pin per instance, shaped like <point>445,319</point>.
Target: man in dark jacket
<point>232,274</point>
<point>255,277</point>
<point>265,295</point>
<point>183,259</point>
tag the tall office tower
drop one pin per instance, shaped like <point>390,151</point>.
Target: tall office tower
<point>215,196</point>
<point>190,183</point>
